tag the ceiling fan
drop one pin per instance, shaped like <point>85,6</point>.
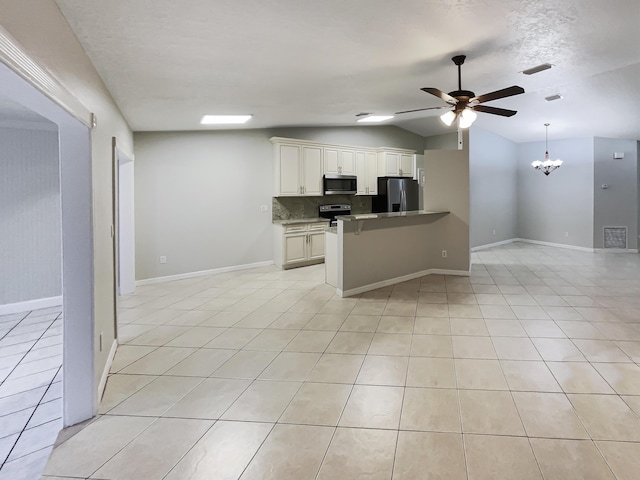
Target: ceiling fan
<point>465,103</point>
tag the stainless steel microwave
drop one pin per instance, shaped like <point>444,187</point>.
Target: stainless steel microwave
<point>340,184</point>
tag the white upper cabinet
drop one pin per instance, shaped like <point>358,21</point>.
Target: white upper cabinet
<point>298,170</point>
<point>300,165</point>
<point>339,161</point>
<point>393,163</point>
<point>367,172</point>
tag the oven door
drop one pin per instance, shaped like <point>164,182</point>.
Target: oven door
<point>340,184</point>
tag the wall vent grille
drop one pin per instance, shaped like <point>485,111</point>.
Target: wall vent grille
<point>615,237</point>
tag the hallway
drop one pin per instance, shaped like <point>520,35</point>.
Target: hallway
<point>527,369</point>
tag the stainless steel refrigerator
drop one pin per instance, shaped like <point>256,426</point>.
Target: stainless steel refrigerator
<point>396,194</point>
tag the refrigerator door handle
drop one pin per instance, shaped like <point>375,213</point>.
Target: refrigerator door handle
<point>403,201</point>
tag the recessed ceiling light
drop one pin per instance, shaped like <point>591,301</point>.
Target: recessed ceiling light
<point>551,98</point>
<point>539,68</point>
<point>224,119</point>
<point>375,118</point>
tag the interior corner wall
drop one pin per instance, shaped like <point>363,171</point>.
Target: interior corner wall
<point>447,188</point>
<point>42,30</point>
<point>445,141</point>
<point>198,194</point>
<point>493,176</point>
<point>616,205</point>
<point>30,231</point>
<point>558,208</point>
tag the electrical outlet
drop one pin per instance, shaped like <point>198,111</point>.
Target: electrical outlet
<point>264,208</point>
<point>163,259</point>
<point>444,254</point>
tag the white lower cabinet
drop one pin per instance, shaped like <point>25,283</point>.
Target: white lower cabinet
<point>299,244</point>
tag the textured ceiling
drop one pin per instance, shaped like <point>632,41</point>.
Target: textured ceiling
<point>298,63</point>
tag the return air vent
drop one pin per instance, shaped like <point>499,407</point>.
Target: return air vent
<point>537,69</point>
<point>615,237</point>
<point>551,98</point>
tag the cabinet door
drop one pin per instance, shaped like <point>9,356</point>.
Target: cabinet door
<point>372,173</point>
<point>406,165</point>
<point>289,165</point>
<point>361,172</point>
<point>347,164</point>
<point>312,171</point>
<point>316,245</point>
<point>331,160</point>
<point>391,163</point>
<point>295,248</point>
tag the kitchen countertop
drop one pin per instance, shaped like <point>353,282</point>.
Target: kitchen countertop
<point>375,216</point>
<point>293,221</point>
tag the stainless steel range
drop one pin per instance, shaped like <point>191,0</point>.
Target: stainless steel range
<point>332,211</point>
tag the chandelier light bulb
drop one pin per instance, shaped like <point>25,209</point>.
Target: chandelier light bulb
<point>467,117</point>
<point>448,118</point>
<point>548,165</point>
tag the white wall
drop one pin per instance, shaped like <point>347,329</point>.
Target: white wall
<point>30,234</point>
<point>40,28</point>
<point>557,208</point>
<point>617,205</point>
<point>493,178</point>
<point>198,194</point>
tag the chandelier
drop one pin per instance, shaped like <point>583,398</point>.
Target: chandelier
<point>548,165</point>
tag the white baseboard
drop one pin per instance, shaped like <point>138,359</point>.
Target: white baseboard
<point>495,244</point>
<point>30,305</point>
<point>403,278</point>
<point>616,250</point>
<point>557,245</point>
<point>107,367</point>
<point>202,273</point>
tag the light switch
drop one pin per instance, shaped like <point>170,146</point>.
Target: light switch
<point>264,208</point>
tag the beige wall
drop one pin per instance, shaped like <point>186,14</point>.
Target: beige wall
<point>40,28</point>
<point>447,188</point>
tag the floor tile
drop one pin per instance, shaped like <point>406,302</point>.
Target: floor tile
<point>489,412</point>
<point>529,376</point>
<point>390,344</point>
<point>156,451</point>
<point>234,338</point>
<point>127,354</point>
<point>373,407</point>
<point>395,324</point>
<point>431,372</point>
<point>120,387</point>
<point>600,351</point>
<point>201,363</point>
<point>336,368</point>
<point>159,361</point>
<point>263,401</point>
<point>578,377</point>
<point>310,341</point>
<point>432,326</point>
<point>473,347</point>
<point>271,340</point>
<point>94,445</point>
<point>478,374</point>
<point>564,459</point>
<point>607,417</point>
<point>548,415</point>
<point>317,404</point>
<point>359,453</point>
<point>623,458</point>
<point>36,438</point>
<point>557,350</point>
<point>624,378</point>
<point>245,364</point>
<point>431,346</point>
<point>429,455</point>
<point>350,342</point>
<point>209,400</point>
<point>224,451</point>
<point>512,348</point>
<point>430,409</point>
<point>27,467</point>
<point>500,458</point>
<point>383,370</point>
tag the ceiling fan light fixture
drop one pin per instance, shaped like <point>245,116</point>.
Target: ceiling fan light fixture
<point>448,118</point>
<point>374,118</point>
<point>467,117</point>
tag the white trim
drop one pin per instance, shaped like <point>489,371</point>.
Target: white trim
<point>403,278</point>
<point>202,273</point>
<point>495,244</point>
<point>557,245</point>
<point>30,305</point>
<point>107,367</point>
<point>616,250</point>
<point>17,59</point>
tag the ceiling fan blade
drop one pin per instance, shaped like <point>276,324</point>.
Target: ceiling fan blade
<point>440,94</point>
<point>505,92</point>
<point>422,109</point>
<point>494,110</point>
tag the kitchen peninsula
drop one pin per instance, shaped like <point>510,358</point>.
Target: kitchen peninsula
<point>370,251</point>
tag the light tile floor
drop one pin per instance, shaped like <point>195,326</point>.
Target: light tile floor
<point>528,369</point>
<point>30,391</point>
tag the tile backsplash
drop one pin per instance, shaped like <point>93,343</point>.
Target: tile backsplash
<point>286,208</point>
